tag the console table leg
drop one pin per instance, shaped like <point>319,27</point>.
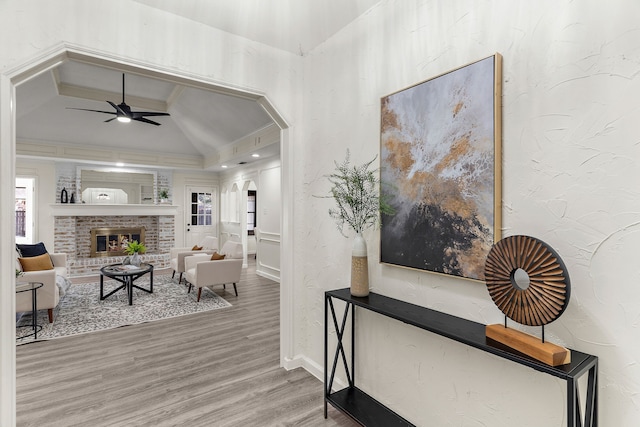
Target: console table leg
<point>574,415</point>
<point>353,345</point>
<point>340,348</point>
<point>326,342</point>
<point>572,403</point>
<point>591,411</point>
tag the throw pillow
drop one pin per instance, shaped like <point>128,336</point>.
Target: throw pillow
<point>216,256</point>
<point>36,263</point>
<point>31,250</point>
<point>196,248</point>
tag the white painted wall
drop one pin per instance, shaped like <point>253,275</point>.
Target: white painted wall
<point>266,175</point>
<point>269,220</point>
<point>571,179</point>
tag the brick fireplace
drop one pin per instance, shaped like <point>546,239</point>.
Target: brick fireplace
<point>73,236</point>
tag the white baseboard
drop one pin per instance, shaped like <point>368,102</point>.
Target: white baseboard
<point>313,368</point>
<point>268,276</point>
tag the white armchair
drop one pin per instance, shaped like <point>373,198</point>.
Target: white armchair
<point>201,271</point>
<point>52,290</point>
<point>209,245</point>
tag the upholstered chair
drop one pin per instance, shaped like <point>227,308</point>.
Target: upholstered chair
<point>54,284</point>
<point>201,270</point>
<point>208,245</point>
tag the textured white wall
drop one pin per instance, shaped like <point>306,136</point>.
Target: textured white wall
<point>570,153</point>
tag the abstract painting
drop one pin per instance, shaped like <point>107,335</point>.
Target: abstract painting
<point>440,170</point>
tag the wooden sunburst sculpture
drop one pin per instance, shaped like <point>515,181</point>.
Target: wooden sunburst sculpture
<point>529,283</point>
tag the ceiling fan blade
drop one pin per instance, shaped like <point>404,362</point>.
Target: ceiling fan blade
<point>111,119</point>
<point>135,114</point>
<point>95,111</point>
<point>118,109</point>
<point>142,119</point>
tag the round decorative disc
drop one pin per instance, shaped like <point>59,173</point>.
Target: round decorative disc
<point>527,280</point>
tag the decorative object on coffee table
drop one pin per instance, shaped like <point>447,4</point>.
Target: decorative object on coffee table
<point>134,249</point>
<point>529,283</point>
<point>355,190</point>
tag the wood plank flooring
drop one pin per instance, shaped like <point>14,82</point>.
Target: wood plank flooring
<point>219,368</point>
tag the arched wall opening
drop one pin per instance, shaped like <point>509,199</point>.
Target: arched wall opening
<point>12,78</point>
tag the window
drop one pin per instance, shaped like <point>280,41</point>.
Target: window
<point>201,209</point>
<point>21,211</point>
<point>251,212</point>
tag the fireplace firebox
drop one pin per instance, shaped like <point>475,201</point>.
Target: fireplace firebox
<point>107,242</point>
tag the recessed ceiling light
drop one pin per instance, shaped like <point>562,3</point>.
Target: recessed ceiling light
<point>224,166</point>
<point>255,155</point>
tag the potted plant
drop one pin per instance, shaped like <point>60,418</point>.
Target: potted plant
<point>356,191</point>
<point>135,249</point>
<point>163,194</point>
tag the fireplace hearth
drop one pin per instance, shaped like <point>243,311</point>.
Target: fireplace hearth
<point>109,241</point>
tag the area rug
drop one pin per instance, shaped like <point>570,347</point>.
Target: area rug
<point>81,310</point>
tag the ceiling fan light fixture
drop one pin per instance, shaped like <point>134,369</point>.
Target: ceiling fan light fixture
<point>124,114</point>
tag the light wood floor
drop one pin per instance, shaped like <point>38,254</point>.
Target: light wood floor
<point>219,368</point>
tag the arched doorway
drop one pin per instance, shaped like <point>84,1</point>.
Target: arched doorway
<point>16,76</point>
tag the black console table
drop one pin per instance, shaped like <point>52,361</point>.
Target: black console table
<point>369,412</point>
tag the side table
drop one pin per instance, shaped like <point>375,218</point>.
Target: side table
<point>33,287</point>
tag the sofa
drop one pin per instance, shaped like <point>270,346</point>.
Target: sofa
<point>55,283</point>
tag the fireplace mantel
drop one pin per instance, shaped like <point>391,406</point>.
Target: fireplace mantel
<point>79,209</point>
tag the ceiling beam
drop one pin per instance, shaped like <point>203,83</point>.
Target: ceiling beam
<point>103,95</point>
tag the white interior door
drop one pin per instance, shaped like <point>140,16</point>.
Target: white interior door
<point>201,214</point>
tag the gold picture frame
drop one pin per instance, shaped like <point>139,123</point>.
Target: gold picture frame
<point>440,169</point>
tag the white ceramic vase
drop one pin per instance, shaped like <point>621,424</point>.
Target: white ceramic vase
<point>359,267</point>
<point>136,259</point>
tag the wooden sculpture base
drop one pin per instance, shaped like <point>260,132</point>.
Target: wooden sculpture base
<point>545,352</point>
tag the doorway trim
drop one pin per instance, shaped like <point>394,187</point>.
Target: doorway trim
<point>48,59</point>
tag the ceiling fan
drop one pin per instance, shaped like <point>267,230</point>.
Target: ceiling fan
<point>123,112</point>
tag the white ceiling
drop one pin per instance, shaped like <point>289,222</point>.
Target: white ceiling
<point>201,122</point>
<point>296,26</point>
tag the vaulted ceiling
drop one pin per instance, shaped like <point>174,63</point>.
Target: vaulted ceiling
<point>202,123</point>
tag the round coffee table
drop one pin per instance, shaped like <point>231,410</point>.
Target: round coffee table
<point>125,274</point>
